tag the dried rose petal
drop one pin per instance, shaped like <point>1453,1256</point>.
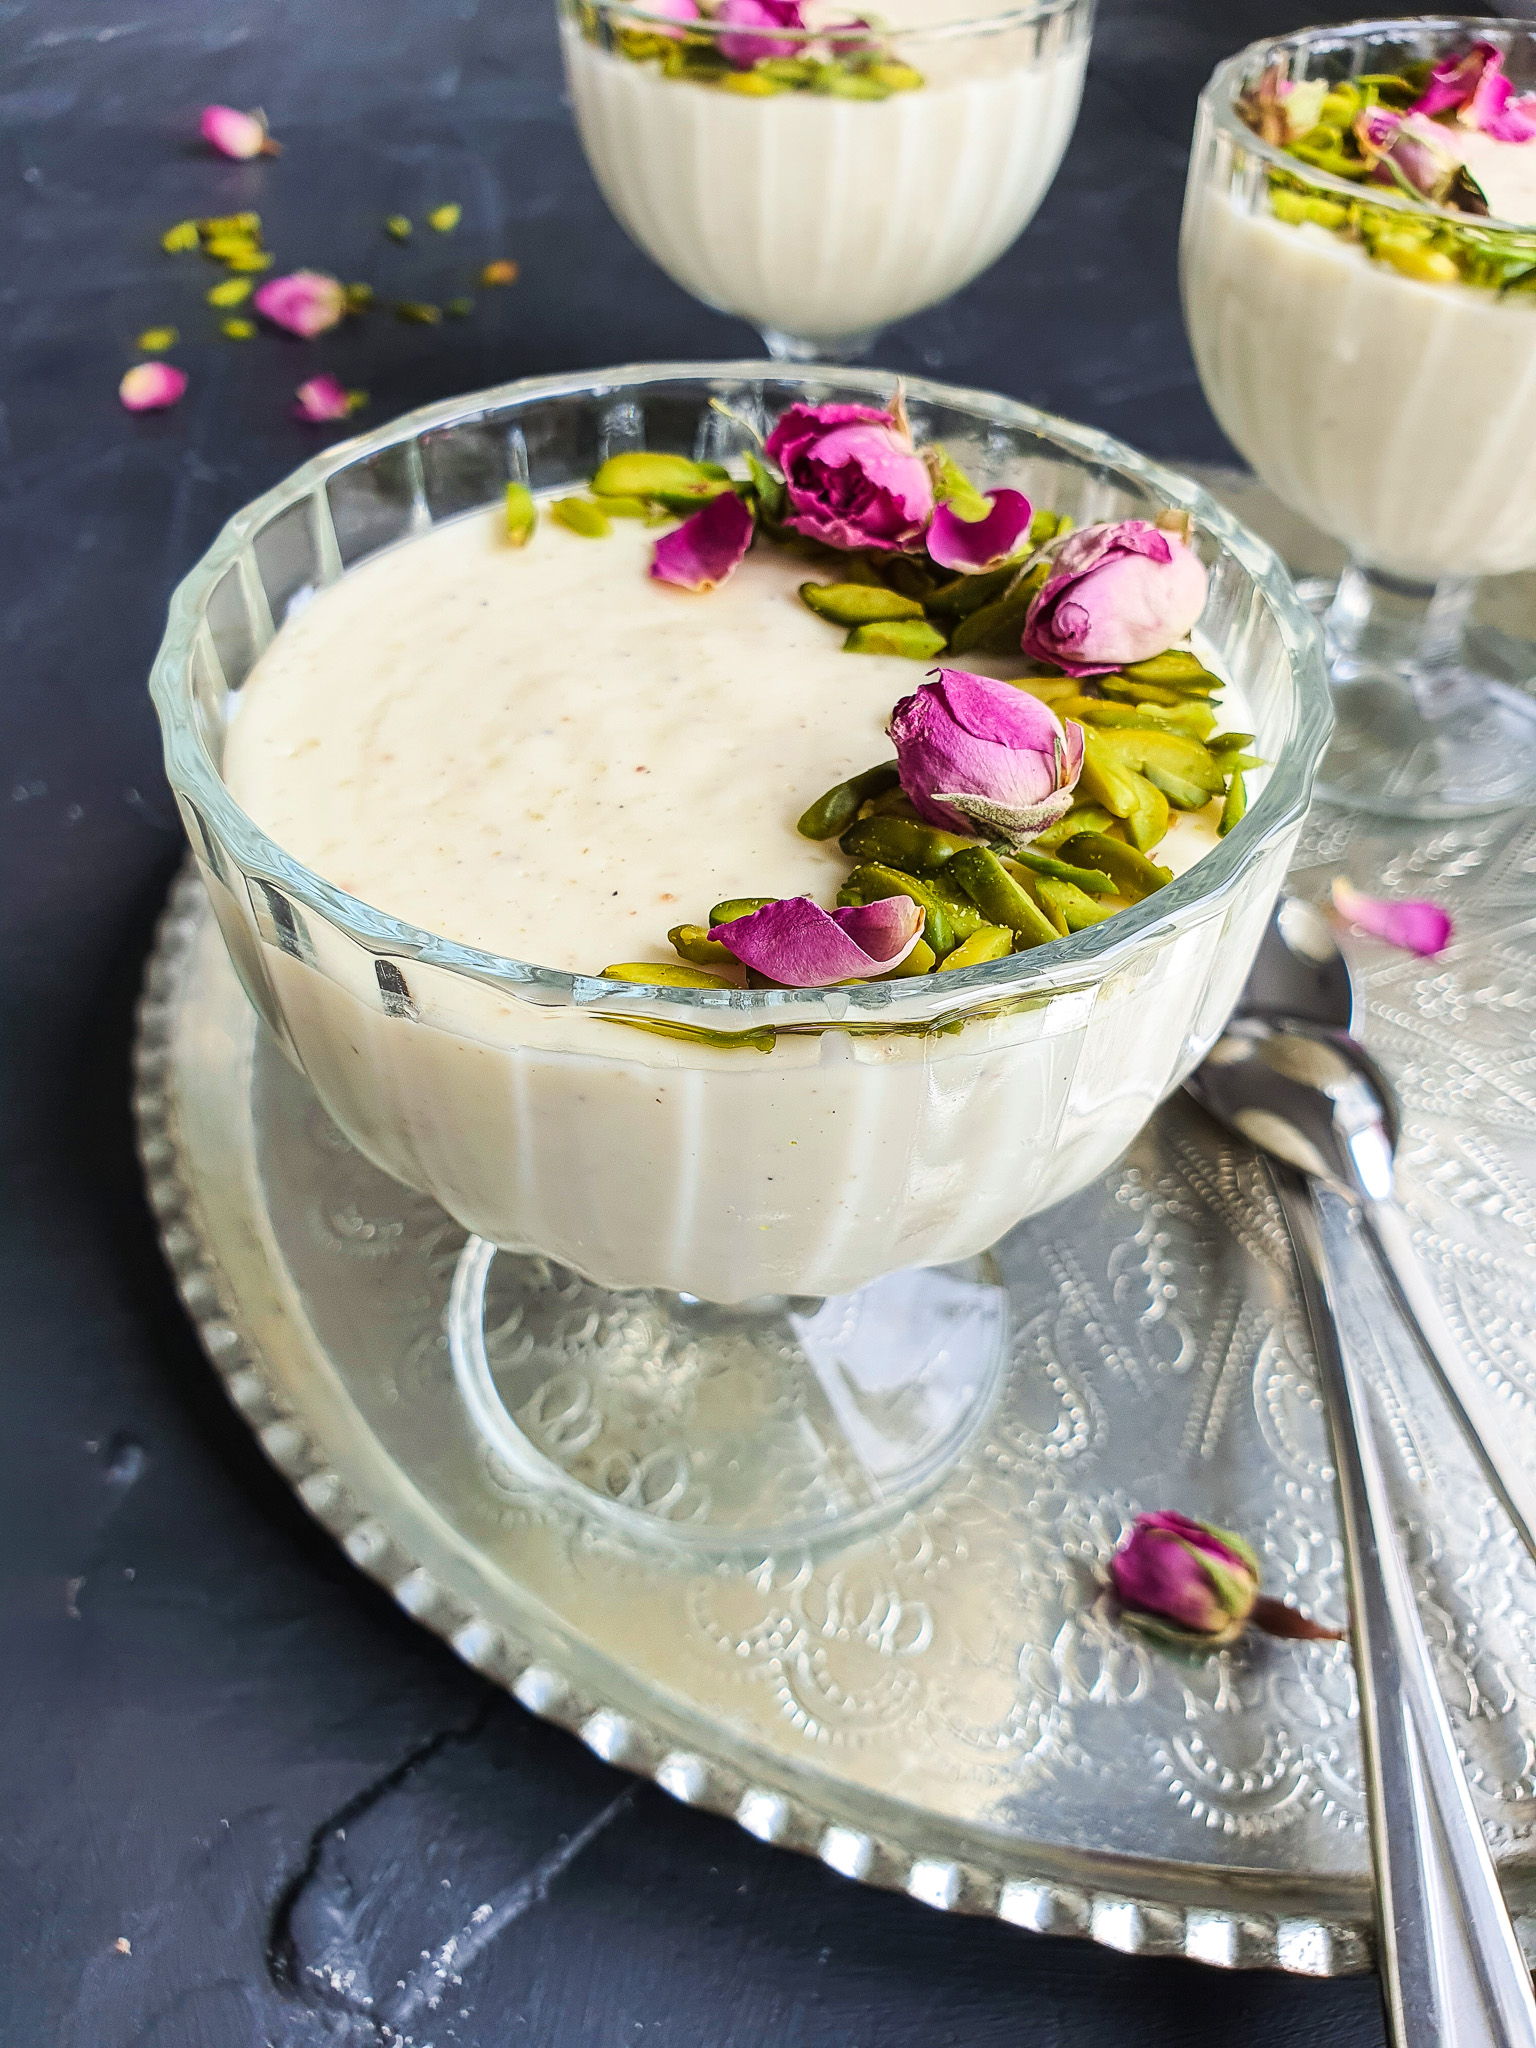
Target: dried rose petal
<point>238,135</point>
<point>970,546</point>
<point>322,398</point>
<point>1414,924</point>
<point>746,49</point>
<point>800,945</point>
<point>306,302</point>
<point>151,387</point>
<point>707,548</point>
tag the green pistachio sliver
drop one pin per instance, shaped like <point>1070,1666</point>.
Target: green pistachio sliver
<point>921,960</point>
<point>1103,779</point>
<point>915,848</point>
<point>1081,818</point>
<point>1174,753</point>
<point>951,486</point>
<point>643,472</point>
<point>1239,764</point>
<point>1230,742</point>
<point>1233,807</point>
<point>693,943</point>
<point>398,227</point>
<point>625,508</point>
<point>663,974</point>
<point>771,499</point>
<point>858,604</point>
<point>836,811</point>
<point>844,83</point>
<point>789,71</point>
<point>897,77</point>
<point>987,942</point>
<point>1194,719</point>
<point>739,906</point>
<point>1072,906</point>
<point>1184,796</point>
<point>947,922</point>
<point>1045,864</point>
<point>1131,872</point>
<point>963,595</point>
<point>522,515</point>
<point>755,85</point>
<point>1046,526</point>
<point>1001,898</point>
<point>1176,665</point>
<point>418,312</point>
<point>912,639</point>
<point>762,1038</point>
<point>685,502</point>
<point>1146,824</point>
<point>1120,691</point>
<point>581,515</point>
<point>995,627</point>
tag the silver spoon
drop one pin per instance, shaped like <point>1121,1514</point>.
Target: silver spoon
<point>1451,1967</point>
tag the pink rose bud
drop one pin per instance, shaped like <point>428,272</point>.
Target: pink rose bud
<point>800,945</point>
<point>747,50</point>
<point>1116,593</point>
<point>971,546</point>
<point>1414,924</point>
<point>322,398</point>
<point>1181,1579</point>
<point>152,387</point>
<point>974,752</point>
<point>306,302</point>
<point>235,134</point>
<point>707,548</point>
<point>669,10</point>
<point>852,477</point>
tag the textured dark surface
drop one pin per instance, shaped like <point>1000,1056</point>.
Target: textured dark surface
<point>222,1748</point>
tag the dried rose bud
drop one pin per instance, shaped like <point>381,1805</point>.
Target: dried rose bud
<point>972,752</point>
<point>237,135</point>
<point>707,548</point>
<point>322,398</point>
<point>1116,593</point>
<point>1185,1581</point>
<point>748,49</point>
<point>799,945</point>
<point>852,477</point>
<point>306,302</point>
<point>1415,924</point>
<point>152,387</point>
<point>1475,89</point>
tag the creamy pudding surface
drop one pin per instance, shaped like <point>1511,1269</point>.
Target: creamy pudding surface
<point>541,752</point>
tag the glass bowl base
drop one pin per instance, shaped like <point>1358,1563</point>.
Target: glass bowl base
<point>806,348</point>
<point>726,1434</point>
<point>1454,745</point>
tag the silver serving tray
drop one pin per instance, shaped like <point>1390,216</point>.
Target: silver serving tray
<point>947,1709</point>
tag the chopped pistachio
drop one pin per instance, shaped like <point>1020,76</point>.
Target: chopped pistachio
<point>182,236</point>
<point>418,312</point>
<point>522,515</point>
<point>502,271</point>
<point>154,339</point>
<point>581,515</point>
<point>896,77</point>
<point>459,309</point>
<point>750,84</point>
<point>237,329</point>
<point>445,218</point>
<point>234,291</point>
<point>229,224</point>
<point>359,297</point>
<point>249,259</point>
<point>398,227</point>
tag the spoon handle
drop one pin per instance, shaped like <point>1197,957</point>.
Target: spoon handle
<point>1452,1972</point>
<point>1475,1407</point>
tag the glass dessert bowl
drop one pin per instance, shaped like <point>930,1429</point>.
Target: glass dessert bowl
<point>823,184</point>
<point>742,1298</point>
<point>1367,340</point>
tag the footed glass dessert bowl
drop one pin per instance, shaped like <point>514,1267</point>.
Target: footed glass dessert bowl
<point>727,1287</point>
<point>1359,276</point>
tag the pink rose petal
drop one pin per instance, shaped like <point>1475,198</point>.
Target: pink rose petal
<point>1413,923</point>
<point>151,387</point>
<point>235,134</point>
<point>970,546</point>
<point>800,945</point>
<point>707,548</point>
<point>1117,593</point>
<point>306,302</point>
<point>322,398</point>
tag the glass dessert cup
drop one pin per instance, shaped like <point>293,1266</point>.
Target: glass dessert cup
<point>818,215</point>
<point>1396,414</point>
<point>727,1288</point>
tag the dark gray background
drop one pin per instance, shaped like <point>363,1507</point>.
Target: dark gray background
<point>196,1691</point>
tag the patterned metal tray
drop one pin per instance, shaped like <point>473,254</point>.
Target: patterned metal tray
<point>945,1709</point>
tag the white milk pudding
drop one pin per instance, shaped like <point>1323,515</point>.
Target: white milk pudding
<point>544,752</point>
<point>1376,363</point>
<point>809,211</point>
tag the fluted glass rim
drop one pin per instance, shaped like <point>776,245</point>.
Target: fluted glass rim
<point>1080,960</point>
<point>1001,21</point>
<point>1218,102</point>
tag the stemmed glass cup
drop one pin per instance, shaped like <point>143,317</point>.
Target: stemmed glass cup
<point>1381,380</point>
<point>819,182</point>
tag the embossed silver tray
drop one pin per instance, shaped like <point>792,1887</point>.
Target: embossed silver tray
<point>945,1709</point>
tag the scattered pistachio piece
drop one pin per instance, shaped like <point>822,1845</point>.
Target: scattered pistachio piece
<point>1233,808</point>
<point>1131,872</point>
<point>237,329</point>
<point>642,473</point>
<point>446,218</point>
<point>1071,905</point>
<point>912,639</point>
<point>418,312</point>
<point>693,942</point>
<point>858,604</point>
<point>181,237</point>
<point>921,960</point>
<point>987,942</point>
<point>662,974</point>
<point>836,811</point>
<point>234,291</point>
<point>581,515</point>
<point>627,508</point>
<point>905,843</point>
<point>359,297</point>
<point>1002,898</point>
<point>398,227</point>
<point>249,259</point>
<point>154,339</point>
<point>522,515</point>
<point>738,906</point>
<point>896,77</point>
<point>750,84</point>
<point>459,309</point>
<point>502,271</point>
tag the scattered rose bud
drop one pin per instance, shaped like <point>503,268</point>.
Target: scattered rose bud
<point>749,49</point>
<point>1197,1587</point>
<point>153,339</point>
<point>851,476</point>
<point>800,945</point>
<point>445,218</point>
<point>1408,151</point>
<point>306,302</point>
<point>502,271</point>
<point>971,546</point>
<point>1414,924</point>
<point>707,548</point>
<point>1475,89</point>
<point>238,135</point>
<point>1116,593</point>
<point>322,398</point>
<point>972,752</point>
<point>152,387</point>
